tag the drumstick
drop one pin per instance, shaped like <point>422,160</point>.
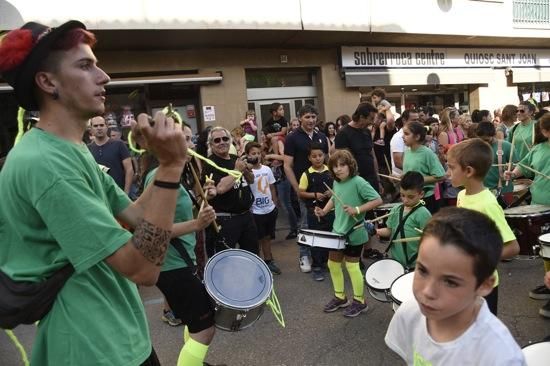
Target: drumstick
<point>405,240</point>
<point>389,177</point>
<point>533,170</point>
<point>420,231</point>
<point>338,198</point>
<point>526,144</point>
<point>378,218</point>
<point>387,164</point>
<point>203,195</point>
<point>500,164</point>
<point>511,155</point>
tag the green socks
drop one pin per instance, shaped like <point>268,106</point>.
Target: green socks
<point>192,353</point>
<point>356,278</point>
<point>337,276</point>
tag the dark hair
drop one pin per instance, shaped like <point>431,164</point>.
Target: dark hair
<point>529,106</point>
<point>407,114</point>
<point>412,180</point>
<point>475,116</point>
<point>344,119</point>
<point>417,129</point>
<point>307,108</point>
<point>543,123</point>
<point>475,153</point>
<point>327,125</point>
<point>471,231</point>
<point>345,157</point>
<point>539,114</point>
<point>431,120</point>
<point>399,122</point>
<point>482,114</point>
<point>202,141</point>
<point>379,92</point>
<point>251,145</point>
<point>509,113</point>
<point>67,41</point>
<point>485,129</point>
<point>315,146</point>
<point>274,106</point>
<point>363,109</point>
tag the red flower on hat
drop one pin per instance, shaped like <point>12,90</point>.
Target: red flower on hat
<point>14,48</point>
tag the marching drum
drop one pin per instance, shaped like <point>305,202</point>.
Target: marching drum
<point>240,283</point>
<point>544,241</point>
<point>402,290</point>
<point>379,277</point>
<point>384,210</point>
<point>537,354</point>
<point>323,239</point>
<point>528,223</point>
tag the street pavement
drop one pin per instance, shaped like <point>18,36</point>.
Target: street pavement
<point>312,337</point>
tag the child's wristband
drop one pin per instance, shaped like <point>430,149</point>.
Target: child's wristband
<point>357,209</point>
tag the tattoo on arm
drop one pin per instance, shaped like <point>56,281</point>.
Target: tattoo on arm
<point>151,241</point>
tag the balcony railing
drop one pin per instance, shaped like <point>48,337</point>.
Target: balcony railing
<point>531,13</point>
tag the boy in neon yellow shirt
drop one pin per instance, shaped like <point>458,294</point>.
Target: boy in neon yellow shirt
<point>468,162</point>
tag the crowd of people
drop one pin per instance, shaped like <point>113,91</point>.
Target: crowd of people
<point>328,176</point>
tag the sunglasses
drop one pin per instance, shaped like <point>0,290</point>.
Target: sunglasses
<point>217,140</point>
<point>521,111</point>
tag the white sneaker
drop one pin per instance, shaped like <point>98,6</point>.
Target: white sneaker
<point>305,264</point>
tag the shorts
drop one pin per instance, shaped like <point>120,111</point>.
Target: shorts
<point>352,250</point>
<point>187,298</point>
<point>265,224</point>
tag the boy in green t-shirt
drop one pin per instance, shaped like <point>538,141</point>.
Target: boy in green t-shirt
<point>468,162</point>
<point>407,220</point>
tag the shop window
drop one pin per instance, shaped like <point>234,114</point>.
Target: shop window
<point>279,78</point>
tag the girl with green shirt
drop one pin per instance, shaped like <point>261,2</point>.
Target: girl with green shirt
<point>355,197</point>
<point>421,159</point>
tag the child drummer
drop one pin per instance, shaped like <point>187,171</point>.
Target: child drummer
<point>353,197</point>
<point>407,220</point>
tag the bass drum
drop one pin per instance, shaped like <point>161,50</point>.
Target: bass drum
<point>240,283</point>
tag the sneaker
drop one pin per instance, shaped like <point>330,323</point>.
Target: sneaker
<point>318,274</point>
<point>291,235</point>
<point>169,317</point>
<point>273,267</point>
<point>545,310</point>
<point>335,304</point>
<point>355,309</point>
<point>305,264</point>
<point>540,293</point>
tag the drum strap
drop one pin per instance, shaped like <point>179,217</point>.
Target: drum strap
<point>401,230</point>
<point>499,161</point>
<point>176,243</point>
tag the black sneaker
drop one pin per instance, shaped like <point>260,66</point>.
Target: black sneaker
<point>291,235</point>
<point>540,293</point>
<point>545,310</point>
<point>372,254</point>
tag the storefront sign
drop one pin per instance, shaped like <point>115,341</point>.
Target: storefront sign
<point>404,57</point>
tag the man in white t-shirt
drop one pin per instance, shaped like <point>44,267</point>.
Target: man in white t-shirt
<point>264,207</point>
<point>397,145</point>
<point>448,322</point>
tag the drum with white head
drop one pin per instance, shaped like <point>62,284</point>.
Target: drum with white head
<point>537,354</point>
<point>544,241</point>
<point>322,239</point>
<point>379,277</point>
<point>402,290</point>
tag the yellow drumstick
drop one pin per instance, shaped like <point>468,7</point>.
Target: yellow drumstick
<point>378,218</point>
<point>338,198</point>
<point>405,240</point>
<point>389,177</point>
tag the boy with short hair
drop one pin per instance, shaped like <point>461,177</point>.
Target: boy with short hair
<point>407,219</point>
<point>378,98</point>
<point>264,207</point>
<point>449,322</point>
<point>468,163</point>
<point>315,194</point>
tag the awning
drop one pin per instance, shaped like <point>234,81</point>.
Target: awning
<point>171,79</point>
<point>399,77</point>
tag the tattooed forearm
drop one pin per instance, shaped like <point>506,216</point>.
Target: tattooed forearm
<point>151,241</point>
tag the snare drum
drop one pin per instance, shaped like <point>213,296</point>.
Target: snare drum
<point>528,223</point>
<point>240,283</point>
<point>402,290</point>
<point>384,210</point>
<point>544,241</point>
<point>537,354</point>
<point>323,239</point>
<point>379,277</point>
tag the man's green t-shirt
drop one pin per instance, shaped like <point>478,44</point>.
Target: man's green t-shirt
<point>539,159</point>
<point>354,191</point>
<point>416,220</point>
<point>523,137</point>
<point>491,179</point>
<point>58,207</point>
<point>424,161</point>
<point>184,212</point>
<point>486,203</point>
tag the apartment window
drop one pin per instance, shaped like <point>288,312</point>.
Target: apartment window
<point>531,12</point>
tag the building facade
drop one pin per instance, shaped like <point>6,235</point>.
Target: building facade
<point>214,60</point>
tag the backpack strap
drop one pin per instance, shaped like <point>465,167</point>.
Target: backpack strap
<point>401,229</point>
<point>176,243</point>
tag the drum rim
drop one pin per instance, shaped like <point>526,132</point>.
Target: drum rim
<point>527,214</point>
<point>542,241</point>
<point>220,301</point>
<point>396,300</point>
<point>321,233</point>
<point>383,292</point>
<point>385,259</point>
<point>534,344</point>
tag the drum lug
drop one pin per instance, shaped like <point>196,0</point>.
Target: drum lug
<point>236,325</point>
<point>545,228</point>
